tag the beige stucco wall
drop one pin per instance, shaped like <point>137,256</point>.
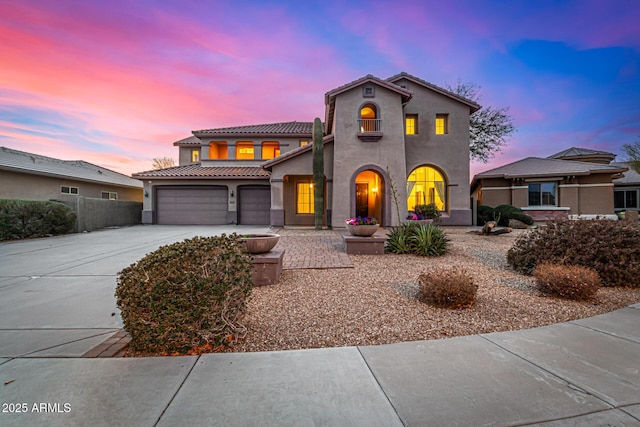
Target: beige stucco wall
<point>448,153</point>
<point>584,195</point>
<point>352,155</point>
<point>23,186</point>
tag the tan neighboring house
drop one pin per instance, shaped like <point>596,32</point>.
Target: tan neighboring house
<point>576,181</point>
<point>380,135</point>
<point>28,176</point>
<point>626,190</point>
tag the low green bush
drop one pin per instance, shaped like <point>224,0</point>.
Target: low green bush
<point>485,213</point>
<point>187,295</point>
<point>447,288</point>
<point>21,219</point>
<point>567,281</point>
<point>611,248</point>
<point>504,213</point>
<point>419,239</point>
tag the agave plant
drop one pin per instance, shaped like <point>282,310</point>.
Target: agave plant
<point>419,239</point>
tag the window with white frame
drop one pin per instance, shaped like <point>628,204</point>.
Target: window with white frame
<point>69,190</point>
<point>110,195</point>
<point>543,194</point>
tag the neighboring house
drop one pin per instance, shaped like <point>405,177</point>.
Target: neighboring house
<point>401,135</point>
<point>28,176</point>
<point>626,190</point>
<point>576,181</point>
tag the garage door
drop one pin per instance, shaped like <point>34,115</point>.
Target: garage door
<point>254,205</point>
<point>191,205</point>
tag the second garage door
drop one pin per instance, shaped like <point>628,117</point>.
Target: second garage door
<point>191,205</point>
<point>254,205</point>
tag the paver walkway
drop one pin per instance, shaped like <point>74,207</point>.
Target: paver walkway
<point>306,248</point>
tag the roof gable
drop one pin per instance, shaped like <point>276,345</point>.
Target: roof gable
<point>584,154</point>
<point>471,104</point>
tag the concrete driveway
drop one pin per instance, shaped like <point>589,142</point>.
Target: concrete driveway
<point>57,294</point>
<point>57,302</point>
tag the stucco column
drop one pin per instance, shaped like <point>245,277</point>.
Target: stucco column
<point>277,202</point>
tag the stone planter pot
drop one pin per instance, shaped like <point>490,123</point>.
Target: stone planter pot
<point>422,221</point>
<point>260,243</point>
<point>362,230</point>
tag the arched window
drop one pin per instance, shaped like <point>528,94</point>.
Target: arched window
<point>426,185</point>
<point>369,120</point>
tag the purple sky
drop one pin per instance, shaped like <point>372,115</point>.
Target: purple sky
<point>116,83</point>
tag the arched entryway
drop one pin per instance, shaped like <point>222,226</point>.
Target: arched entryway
<point>369,195</point>
<point>426,185</point>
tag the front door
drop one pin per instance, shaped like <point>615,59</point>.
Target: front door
<point>362,200</point>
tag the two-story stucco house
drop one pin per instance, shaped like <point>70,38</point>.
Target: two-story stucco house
<point>388,145</point>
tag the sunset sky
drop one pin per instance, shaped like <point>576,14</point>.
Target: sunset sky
<point>115,83</point>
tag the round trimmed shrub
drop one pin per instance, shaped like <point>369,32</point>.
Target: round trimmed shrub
<point>504,213</point>
<point>567,281</point>
<point>609,247</point>
<point>447,288</point>
<point>186,295</point>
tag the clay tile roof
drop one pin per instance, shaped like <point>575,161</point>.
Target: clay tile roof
<point>273,129</point>
<point>384,83</point>
<point>190,140</point>
<point>197,171</point>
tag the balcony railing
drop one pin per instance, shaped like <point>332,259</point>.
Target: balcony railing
<point>369,125</point>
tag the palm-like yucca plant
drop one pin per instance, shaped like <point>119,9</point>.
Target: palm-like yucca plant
<point>428,240</point>
<point>419,239</point>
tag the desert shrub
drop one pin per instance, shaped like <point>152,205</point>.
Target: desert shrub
<point>447,288</point>
<point>186,295</point>
<point>504,213</point>
<point>485,213</point>
<point>609,247</point>
<point>20,219</point>
<point>419,239</point>
<point>567,281</point>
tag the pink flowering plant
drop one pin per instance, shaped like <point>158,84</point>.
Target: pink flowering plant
<point>361,221</point>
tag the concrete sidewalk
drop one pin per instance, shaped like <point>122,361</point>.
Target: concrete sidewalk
<point>56,302</point>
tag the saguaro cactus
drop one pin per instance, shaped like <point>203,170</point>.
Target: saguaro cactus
<point>318,173</point>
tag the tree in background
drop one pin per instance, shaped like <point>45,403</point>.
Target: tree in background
<point>162,163</point>
<point>318,173</point>
<point>633,155</point>
<point>489,128</point>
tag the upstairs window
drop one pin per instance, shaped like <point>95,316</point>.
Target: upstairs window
<point>442,124</point>
<point>270,149</point>
<point>369,121</point>
<point>195,156</point>
<point>244,150</point>
<point>542,194</point>
<point>218,150</point>
<point>69,190</point>
<point>411,124</point>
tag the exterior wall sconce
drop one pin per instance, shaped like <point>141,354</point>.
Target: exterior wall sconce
<point>146,193</point>
<point>374,190</point>
<point>231,193</point>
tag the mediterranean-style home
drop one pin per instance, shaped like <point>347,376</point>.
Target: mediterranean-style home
<point>573,182</point>
<point>28,176</point>
<point>389,144</point>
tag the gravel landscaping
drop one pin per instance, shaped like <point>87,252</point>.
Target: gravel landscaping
<point>373,302</point>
